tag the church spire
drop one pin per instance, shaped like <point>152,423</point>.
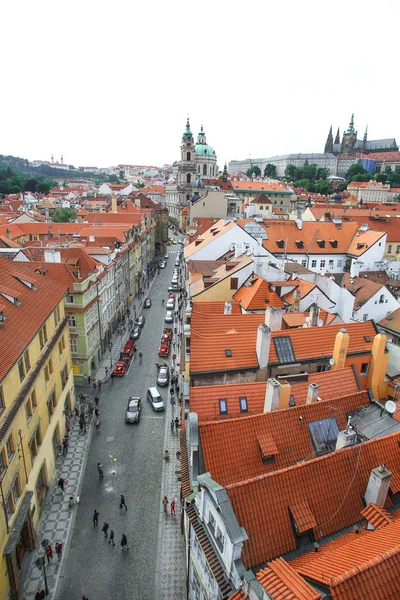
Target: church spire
<point>337,138</point>
<point>187,135</point>
<point>329,142</point>
<point>351,125</point>
<point>366,134</point>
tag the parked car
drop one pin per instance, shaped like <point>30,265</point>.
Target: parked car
<point>163,376</point>
<point>140,321</point>
<point>169,317</point>
<point>120,368</point>
<point>154,397</point>
<point>177,262</point>
<point>162,265</point>
<point>170,303</point>
<point>132,414</point>
<point>166,256</point>
<point>175,288</point>
<point>135,333</point>
<point>147,303</point>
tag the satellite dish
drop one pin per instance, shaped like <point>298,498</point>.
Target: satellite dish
<point>390,406</point>
<point>320,322</point>
<point>331,362</point>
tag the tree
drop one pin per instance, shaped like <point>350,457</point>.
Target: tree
<point>290,171</point>
<point>44,186</point>
<point>30,185</point>
<point>113,179</point>
<point>270,171</point>
<point>64,215</point>
<point>121,174</point>
<point>322,173</point>
<point>254,170</point>
<point>356,169</point>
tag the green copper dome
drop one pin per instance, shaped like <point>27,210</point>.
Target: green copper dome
<point>204,150</point>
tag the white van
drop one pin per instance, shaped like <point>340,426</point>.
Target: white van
<point>153,396</point>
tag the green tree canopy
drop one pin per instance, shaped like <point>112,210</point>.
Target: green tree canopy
<point>113,179</point>
<point>289,171</point>
<point>64,215</point>
<point>270,171</point>
<point>254,170</point>
<point>356,169</point>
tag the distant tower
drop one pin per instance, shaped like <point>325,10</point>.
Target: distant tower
<point>187,168</point>
<point>337,138</point>
<point>349,139</point>
<point>225,175</point>
<point>62,159</point>
<point>52,158</point>
<point>329,142</point>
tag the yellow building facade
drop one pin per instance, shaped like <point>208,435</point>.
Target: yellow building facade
<point>36,391</point>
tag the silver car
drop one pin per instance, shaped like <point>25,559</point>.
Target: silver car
<point>163,376</point>
<point>132,414</point>
<point>169,317</point>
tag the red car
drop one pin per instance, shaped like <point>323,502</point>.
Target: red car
<point>120,368</point>
<point>130,345</point>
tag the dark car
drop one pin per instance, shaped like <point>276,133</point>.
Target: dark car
<point>135,333</point>
<point>140,321</point>
<point>132,414</point>
<point>147,303</point>
<point>175,288</point>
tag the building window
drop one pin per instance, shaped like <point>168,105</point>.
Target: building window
<point>322,368</point>
<point>303,263</point>
<point>223,406</point>
<point>365,317</point>
<point>188,156</point>
<point>364,369</point>
<point>31,405</point>
<point>211,522</point>
<point>389,248</point>
<point>43,336</point>
<point>243,405</point>
<point>51,404</point>
<point>322,264</point>
<point>21,369</point>
<point>382,299</point>
<point>330,263</point>
<point>13,496</point>
<point>220,539</point>
<point>70,299</point>
<point>71,321</point>
<point>204,169</point>
<point>313,263</point>
<point>48,370</point>
<point>64,375</point>
<point>35,442</point>
<point>10,448</point>
<point>3,462</point>
<point>57,316</point>
<point>324,435</point>
<point>261,208</point>
<point>397,249</point>
<point>73,342</point>
<point>234,283</point>
<point>188,178</point>
<point>339,263</point>
<point>2,403</point>
<point>61,346</point>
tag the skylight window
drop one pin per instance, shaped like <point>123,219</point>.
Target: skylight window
<point>228,353</point>
<point>324,435</point>
<point>243,404</point>
<point>284,349</point>
<point>223,406</point>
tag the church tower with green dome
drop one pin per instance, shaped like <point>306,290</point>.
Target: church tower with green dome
<point>205,157</point>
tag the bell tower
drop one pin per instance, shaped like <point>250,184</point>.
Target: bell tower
<point>187,168</point>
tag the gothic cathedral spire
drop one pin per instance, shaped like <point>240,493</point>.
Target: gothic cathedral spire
<point>329,142</point>
<point>337,138</point>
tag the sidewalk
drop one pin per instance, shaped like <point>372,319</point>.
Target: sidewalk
<point>57,519</point>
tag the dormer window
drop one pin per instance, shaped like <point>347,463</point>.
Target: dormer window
<point>280,243</point>
<point>299,243</point>
<point>333,243</point>
<point>321,243</point>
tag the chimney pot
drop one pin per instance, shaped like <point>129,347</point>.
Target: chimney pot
<point>273,318</point>
<point>312,394</point>
<point>378,486</point>
<point>262,345</point>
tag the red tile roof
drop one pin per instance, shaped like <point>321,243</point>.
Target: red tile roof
<point>298,319</point>
<point>363,566</point>
<point>204,400</point>
<point>333,485</point>
<point>256,295</point>
<point>281,582</point>
<point>23,320</point>
<point>303,286</point>
<point>376,515</point>
<point>231,448</point>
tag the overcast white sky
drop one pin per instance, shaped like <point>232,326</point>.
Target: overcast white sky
<point>105,83</point>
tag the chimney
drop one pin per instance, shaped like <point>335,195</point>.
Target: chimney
<point>312,393</point>
<point>314,315</point>
<point>227,308</point>
<point>273,318</point>
<point>296,301</point>
<point>114,204</point>
<point>378,486</point>
<point>346,438</point>
<point>277,395</point>
<point>340,349</point>
<point>377,368</point>
<point>262,345</point>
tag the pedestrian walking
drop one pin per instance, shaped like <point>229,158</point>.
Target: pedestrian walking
<point>96,411</point>
<point>177,388</point>
<point>124,542</point>
<point>59,547</point>
<point>96,400</point>
<point>177,424</point>
<point>122,502</point>
<point>111,538</point>
<point>105,529</point>
<point>100,470</point>
<point>165,503</point>
<point>49,553</point>
<point>65,446</point>
<point>85,378</point>
<point>173,507</point>
<point>112,377</point>
<point>61,483</point>
<point>172,425</point>
<point>85,597</point>
<point>106,371</point>
<point>94,385</point>
<point>97,423</point>
<point>95,517</point>
<point>40,594</point>
<point>89,379</point>
<point>82,424</point>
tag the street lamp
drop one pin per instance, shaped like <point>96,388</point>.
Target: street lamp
<point>40,562</point>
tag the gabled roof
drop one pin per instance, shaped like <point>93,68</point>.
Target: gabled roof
<point>392,322</point>
<point>260,186</point>
<point>298,319</point>
<point>231,448</point>
<point>363,240</point>
<point>333,486</point>
<point>362,288</point>
<point>216,230</point>
<point>303,286</point>
<point>281,582</point>
<point>29,306</point>
<point>261,199</point>
<point>363,566</point>
<point>256,295</point>
<point>205,273</point>
<point>204,400</point>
